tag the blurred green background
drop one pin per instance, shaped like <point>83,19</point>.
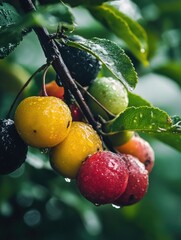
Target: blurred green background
<point>36,203</point>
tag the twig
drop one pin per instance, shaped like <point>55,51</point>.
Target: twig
<point>24,86</point>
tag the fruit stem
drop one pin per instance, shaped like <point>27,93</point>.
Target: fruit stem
<point>95,100</point>
<point>44,92</point>
<point>24,86</point>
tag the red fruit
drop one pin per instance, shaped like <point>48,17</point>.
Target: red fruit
<point>137,182</point>
<point>76,113</point>
<point>141,149</point>
<point>103,177</point>
<point>54,90</point>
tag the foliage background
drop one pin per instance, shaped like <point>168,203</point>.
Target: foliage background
<point>36,203</point>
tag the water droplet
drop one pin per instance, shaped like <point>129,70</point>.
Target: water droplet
<point>115,206</point>
<point>68,180</point>
<point>97,204</point>
<point>44,150</point>
<point>161,129</point>
<point>142,50</point>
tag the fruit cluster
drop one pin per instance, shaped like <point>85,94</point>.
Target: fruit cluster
<point>76,149</point>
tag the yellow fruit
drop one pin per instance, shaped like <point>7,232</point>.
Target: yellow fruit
<point>67,157</point>
<point>43,121</point>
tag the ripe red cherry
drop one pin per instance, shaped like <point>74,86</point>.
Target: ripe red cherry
<point>76,113</point>
<point>141,149</point>
<point>103,177</point>
<point>137,182</point>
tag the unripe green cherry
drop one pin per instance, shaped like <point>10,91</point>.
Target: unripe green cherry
<point>110,93</point>
<point>117,139</point>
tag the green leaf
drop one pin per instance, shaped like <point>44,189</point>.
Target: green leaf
<point>141,119</point>
<point>172,138</point>
<point>149,120</point>
<point>8,14</point>
<point>171,70</point>
<point>50,16</point>
<point>112,56</point>
<point>8,18</point>
<point>47,16</point>
<point>124,27</point>
<point>137,101</point>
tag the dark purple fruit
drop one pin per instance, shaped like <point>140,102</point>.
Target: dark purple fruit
<point>82,65</point>
<point>12,148</point>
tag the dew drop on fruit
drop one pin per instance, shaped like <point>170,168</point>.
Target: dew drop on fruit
<point>44,150</point>
<point>97,204</point>
<point>68,180</point>
<point>115,206</point>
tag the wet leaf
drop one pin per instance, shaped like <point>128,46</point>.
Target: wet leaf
<point>112,56</point>
<point>149,120</point>
<point>137,101</point>
<point>124,27</point>
<point>8,18</point>
<point>172,138</point>
<point>48,16</point>
<point>141,119</point>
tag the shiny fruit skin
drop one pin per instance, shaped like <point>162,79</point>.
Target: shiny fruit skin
<point>110,93</point>
<point>52,89</point>
<point>103,177</point>
<point>82,65</point>
<point>67,157</point>
<point>117,139</point>
<point>141,149</point>
<point>12,148</point>
<point>76,113</point>
<point>43,121</point>
<point>137,183</point>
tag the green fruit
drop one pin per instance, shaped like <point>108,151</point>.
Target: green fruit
<point>82,65</point>
<point>110,93</point>
<point>12,148</point>
<point>117,139</point>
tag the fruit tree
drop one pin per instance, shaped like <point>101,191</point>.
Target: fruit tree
<point>75,110</point>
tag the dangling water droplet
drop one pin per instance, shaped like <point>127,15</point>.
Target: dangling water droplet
<point>115,206</point>
<point>68,180</point>
<point>97,204</point>
<point>44,150</point>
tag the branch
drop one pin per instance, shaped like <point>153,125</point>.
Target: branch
<point>53,55</point>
